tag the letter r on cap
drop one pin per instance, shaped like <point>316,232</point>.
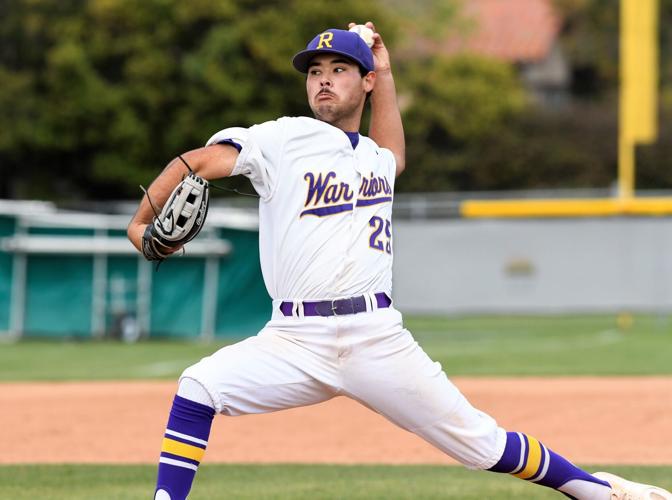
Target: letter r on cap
<point>325,40</point>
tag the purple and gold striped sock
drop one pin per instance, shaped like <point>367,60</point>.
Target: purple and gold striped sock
<point>526,458</point>
<point>183,446</point>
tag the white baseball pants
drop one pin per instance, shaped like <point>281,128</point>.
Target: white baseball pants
<point>368,357</point>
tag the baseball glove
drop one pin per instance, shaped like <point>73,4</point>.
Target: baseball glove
<point>179,222</point>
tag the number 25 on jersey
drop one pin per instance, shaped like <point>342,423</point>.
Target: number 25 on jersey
<point>378,240</point>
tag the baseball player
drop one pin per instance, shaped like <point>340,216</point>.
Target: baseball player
<point>325,236</point>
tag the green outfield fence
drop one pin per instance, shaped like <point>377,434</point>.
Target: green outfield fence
<point>74,274</point>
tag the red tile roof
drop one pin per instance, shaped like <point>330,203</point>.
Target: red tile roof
<point>511,30</point>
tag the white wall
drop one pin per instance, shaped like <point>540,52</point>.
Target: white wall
<point>529,266</point>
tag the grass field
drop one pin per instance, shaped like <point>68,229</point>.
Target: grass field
<point>562,345</point>
<point>545,345</point>
<point>287,482</point>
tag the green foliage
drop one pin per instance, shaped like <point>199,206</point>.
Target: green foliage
<point>455,103</point>
<point>295,482</point>
<point>573,148</point>
<point>590,39</point>
<point>591,43</point>
<point>99,94</point>
<point>653,160</point>
<point>462,97</point>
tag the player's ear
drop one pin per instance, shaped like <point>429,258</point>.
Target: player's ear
<point>369,81</point>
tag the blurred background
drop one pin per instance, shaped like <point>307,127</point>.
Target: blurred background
<point>501,99</point>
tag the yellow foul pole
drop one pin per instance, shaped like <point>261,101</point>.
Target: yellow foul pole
<point>639,86</point>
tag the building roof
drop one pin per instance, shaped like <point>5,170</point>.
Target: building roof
<point>520,31</point>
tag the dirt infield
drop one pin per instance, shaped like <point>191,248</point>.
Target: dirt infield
<point>590,420</point>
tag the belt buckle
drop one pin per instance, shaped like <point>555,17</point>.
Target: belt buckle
<point>340,306</point>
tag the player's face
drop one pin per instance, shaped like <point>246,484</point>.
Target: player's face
<point>337,90</point>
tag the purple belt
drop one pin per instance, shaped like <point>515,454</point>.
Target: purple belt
<point>339,307</point>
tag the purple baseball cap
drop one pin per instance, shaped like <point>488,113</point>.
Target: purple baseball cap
<point>335,41</point>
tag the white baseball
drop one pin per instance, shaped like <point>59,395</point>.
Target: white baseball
<point>365,32</point>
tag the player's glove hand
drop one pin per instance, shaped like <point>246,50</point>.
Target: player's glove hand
<point>181,219</point>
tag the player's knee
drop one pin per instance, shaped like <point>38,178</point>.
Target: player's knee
<point>193,390</point>
<point>488,450</point>
<point>467,434</point>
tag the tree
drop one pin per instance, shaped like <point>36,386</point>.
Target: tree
<point>454,102</point>
<point>98,95</point>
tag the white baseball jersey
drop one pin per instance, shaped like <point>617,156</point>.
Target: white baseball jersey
<point>325,211</point>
